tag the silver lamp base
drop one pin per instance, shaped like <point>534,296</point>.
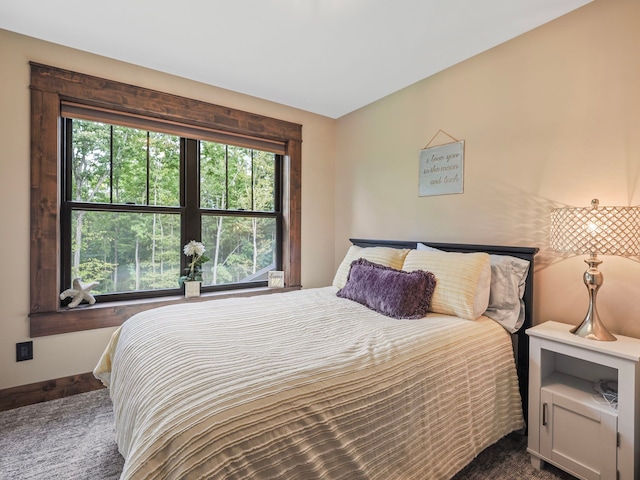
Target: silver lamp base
<point>591,327</point>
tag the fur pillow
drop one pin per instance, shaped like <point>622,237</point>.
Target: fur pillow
<point>388,291</point>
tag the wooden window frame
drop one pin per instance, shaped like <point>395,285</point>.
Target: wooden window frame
<point>50,87</point>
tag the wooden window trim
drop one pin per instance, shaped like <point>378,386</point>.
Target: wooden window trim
<point>50,87</point>
<point>94,114</point>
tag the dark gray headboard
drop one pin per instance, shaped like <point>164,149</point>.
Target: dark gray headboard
<point>521,341</point>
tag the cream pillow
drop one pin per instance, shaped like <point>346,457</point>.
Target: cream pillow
<point>387,256</point>
<point>463,280</point>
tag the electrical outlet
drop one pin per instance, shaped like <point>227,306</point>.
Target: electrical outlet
<point>24,351</point>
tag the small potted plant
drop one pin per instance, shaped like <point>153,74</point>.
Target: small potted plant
<point>193,272</point>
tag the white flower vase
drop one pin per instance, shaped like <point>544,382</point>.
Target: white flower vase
<point>191,289</point>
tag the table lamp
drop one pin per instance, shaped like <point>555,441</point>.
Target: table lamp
<point>595,230</point>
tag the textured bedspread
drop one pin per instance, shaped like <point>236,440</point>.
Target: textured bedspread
<point>305,385</point>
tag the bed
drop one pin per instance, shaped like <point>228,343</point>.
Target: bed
<point>310,384</point>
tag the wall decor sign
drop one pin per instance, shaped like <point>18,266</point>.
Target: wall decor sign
<point>442,169</point>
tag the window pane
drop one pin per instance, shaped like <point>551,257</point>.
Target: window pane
<point>91,161</point>
<point>130,149</point>
<point>213,175</point>
<point>240,249</point>
<point>164,169</point>
<point>129,165</point>
<point>240,179</point>
<point>264,175</point>
<point>236,178</point>
<point>138,159</point>
<point>126,252</point>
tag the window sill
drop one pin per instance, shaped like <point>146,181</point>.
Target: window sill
<point>113,314</point>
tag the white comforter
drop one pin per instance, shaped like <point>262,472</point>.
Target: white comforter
<point>306,385</point>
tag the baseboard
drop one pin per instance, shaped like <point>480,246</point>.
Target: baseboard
<point>48,390</point>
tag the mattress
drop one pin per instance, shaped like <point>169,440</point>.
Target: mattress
<point>305,385</point>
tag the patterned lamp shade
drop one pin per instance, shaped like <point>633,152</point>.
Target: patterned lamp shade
<point>596,230</point>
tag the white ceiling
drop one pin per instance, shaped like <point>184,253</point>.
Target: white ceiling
<point>325,56</point>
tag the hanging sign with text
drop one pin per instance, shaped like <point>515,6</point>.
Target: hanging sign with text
<point>442,169</point>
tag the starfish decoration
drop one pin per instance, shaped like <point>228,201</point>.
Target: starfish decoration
<point>79,292</point>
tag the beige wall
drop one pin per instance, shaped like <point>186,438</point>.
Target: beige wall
<point>61,355</point>
<point>550,118</point>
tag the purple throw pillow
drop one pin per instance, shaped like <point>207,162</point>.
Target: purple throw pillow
<point>388,291</point>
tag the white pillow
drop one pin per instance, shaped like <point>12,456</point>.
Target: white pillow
<point>387,256</point>
<point>508,277</point>
<point>427,248</point>
<point>463,280</point>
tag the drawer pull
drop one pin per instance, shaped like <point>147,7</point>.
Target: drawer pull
<point>544,414</point>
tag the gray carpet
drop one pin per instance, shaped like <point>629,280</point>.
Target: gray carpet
<point>69,438</point>
<point>73,438</point>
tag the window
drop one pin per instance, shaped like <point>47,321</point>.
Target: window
<point>125,212</point>
<point>123,176</point>
<point>240,213</point>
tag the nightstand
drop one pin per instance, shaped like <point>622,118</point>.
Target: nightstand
<point>567,426</point>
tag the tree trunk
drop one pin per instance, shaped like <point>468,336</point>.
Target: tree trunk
<point>216,255</point>
<point>78,240</point>
<point>153,244</point>
<point>115,261</point>
<point>254,226</point>
<point>137,264</point>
